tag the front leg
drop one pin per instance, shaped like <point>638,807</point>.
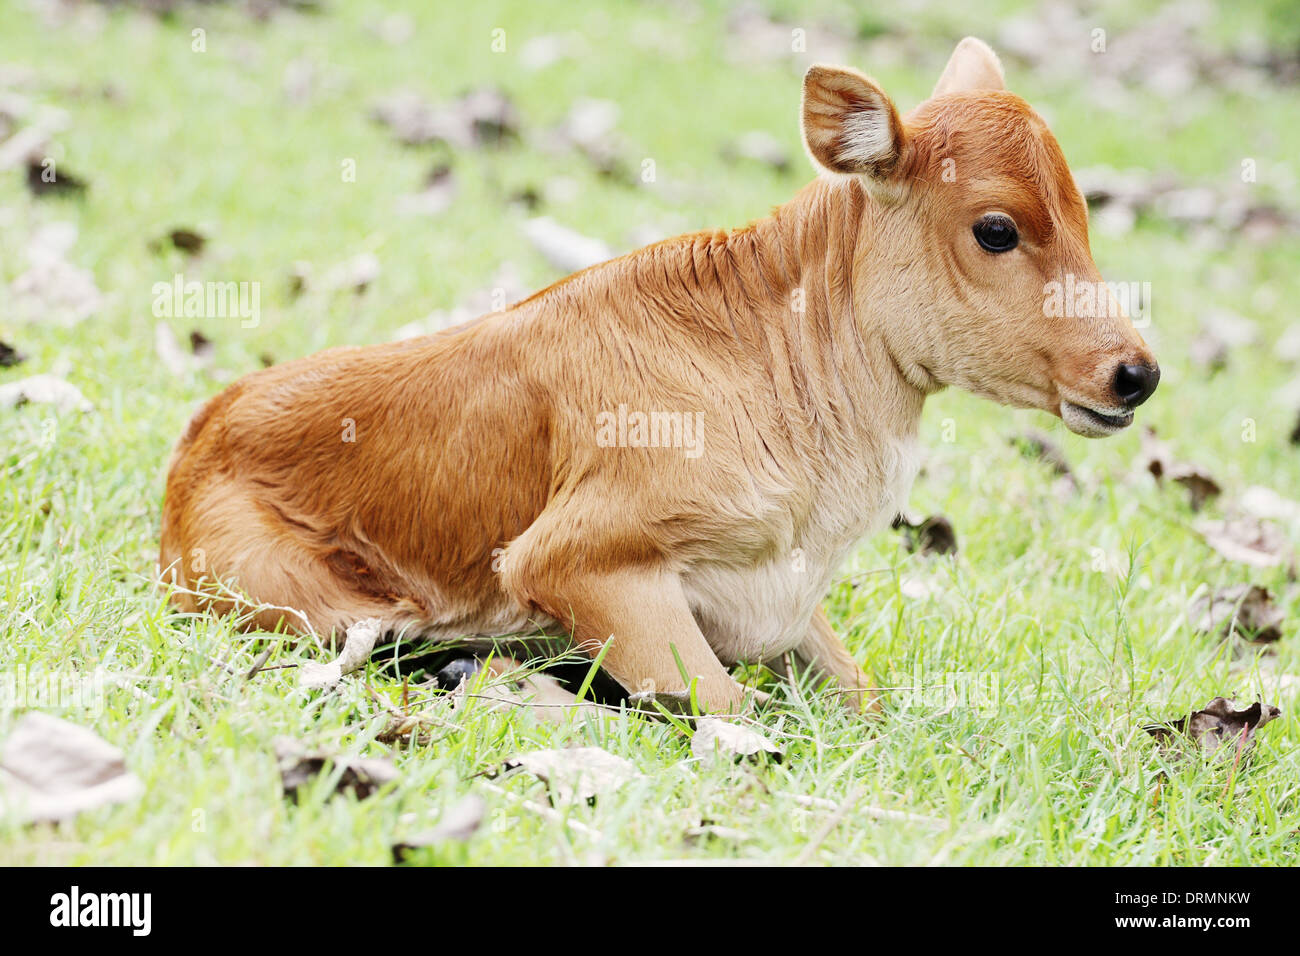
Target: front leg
<point>823,654</point>
<point>643,615</point>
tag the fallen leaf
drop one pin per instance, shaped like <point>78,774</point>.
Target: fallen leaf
<point>414,120</point>
<point>1159,460</point>
<point>53,289</point>
<point>10,356</point>
<point>357,647</point>
<point>1209,352</point>
<point>44,390</point>
<point>47,179</point>
<point>589,128</point>
<point>581,773</point>
<point>1260,544</point>
<point>174,358</point>
<point>484,117</point>
<point>201,347</point>
<point>1156,455</point>
<point>491,116</point>
<point>186,240</point>
<point>1036,444</point>
<point>543,697</point>
<point>932,535</point>
<point>716,738</point>
<point>1201,487</point>
<point>25,147</point>
<point>917,588</point>
<point>1246,609</point>
<point>1260,502</point>
<point>436,195</point>
<point>562,247</point>
<point>1217,724</point>
<point>299,278</point>
<point>52,770</point>
<point>457,824</point>
<point>359,776</point>
<point>355,274</point>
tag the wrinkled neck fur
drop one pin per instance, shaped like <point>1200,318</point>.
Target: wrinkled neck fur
<point>834,348</point>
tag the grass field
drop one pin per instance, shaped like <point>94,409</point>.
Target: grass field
<point>1069,611</point>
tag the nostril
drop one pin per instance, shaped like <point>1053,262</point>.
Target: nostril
<point>1135,383</point>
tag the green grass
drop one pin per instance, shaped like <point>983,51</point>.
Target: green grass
<point>1058,771</point>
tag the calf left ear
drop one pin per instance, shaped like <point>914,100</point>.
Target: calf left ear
<point>849,125</point>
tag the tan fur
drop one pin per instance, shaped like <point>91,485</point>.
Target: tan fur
<point>477,500</point>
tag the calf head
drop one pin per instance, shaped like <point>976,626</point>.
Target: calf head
<point>973,262</point>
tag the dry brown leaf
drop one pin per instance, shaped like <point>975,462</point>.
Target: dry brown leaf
<point>1217,724</point>
<point>715,738</point>
<point>175,359</point>
<point>932,535</point>
<point>357,647</point>
<point>590,128</point>
<point>353,275</point>
<point>484,117</point>
<point>577,773</point>
<point>1200,486</point>
<point>543,697</point>
<point>1036,444</point>
<point>1245,609</point>
<point>1260,502</point>
<point>44,390</point>
<point>10,356</point>
<point>434,197</point>
<point>456,825</point>
<point>189,241</point>
<point>1156,456</point>
<point>1159,460</point>
<point>53,290</point>
<point>562,247</point>
<point>359,776</point>
<point>49,179</point>
<point>53,769</point>
<point>1251,541</point>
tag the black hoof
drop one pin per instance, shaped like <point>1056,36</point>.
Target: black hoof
<point>462,668</point>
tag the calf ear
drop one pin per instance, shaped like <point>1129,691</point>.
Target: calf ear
<point>972,66</point>
<point>849,125</point>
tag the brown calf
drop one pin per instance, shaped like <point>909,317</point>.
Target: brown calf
<point>672,451</point>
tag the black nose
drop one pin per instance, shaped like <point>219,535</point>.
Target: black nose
<point>1135,383</point>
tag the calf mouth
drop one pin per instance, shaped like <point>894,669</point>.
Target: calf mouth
<point>1092,423</point>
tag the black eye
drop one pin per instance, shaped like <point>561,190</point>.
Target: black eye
<point>996,233</point>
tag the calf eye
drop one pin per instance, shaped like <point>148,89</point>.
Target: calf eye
<point>996,233</point>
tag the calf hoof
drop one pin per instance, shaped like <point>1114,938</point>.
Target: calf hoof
<point>461,669</point>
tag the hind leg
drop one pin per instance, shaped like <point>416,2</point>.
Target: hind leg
<point>229,553</point>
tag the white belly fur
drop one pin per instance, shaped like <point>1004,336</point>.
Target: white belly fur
<point>756,613</point>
